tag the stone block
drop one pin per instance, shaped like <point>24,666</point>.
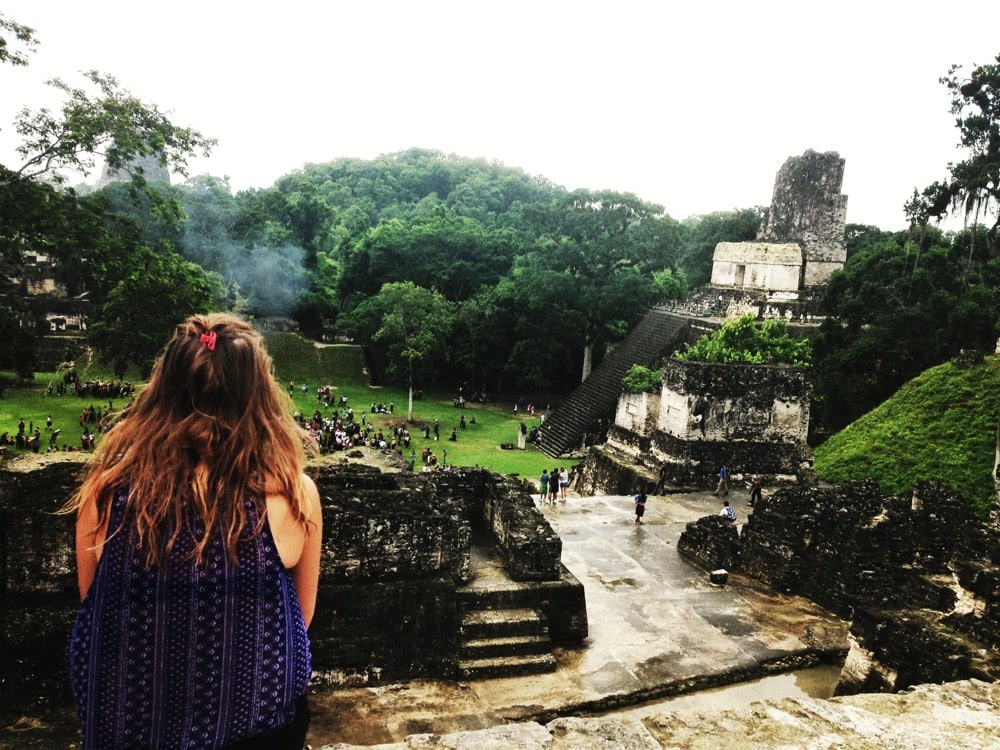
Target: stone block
<point>719,577</point>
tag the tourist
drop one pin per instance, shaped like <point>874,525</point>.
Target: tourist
<point>662,480</point>
<point>563,482</point>
<point>756,486</point>
<point>554,486</point>
<point>727,512</point>
<point>640,506</point>
<point>543,482</point>
<point>722,488</point>
<point>198,540</point>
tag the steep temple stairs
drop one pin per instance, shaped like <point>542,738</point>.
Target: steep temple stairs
<point>591,407</point>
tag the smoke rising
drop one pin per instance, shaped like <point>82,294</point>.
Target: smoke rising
<point>273,279</point>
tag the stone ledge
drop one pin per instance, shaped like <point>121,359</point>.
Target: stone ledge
<point>913,720</point>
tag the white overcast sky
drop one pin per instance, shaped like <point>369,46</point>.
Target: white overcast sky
<point>692,105</point>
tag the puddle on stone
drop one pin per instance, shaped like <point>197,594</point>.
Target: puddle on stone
<point>815,682</point>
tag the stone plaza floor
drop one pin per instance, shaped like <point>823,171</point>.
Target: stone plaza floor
<point>657,627</point>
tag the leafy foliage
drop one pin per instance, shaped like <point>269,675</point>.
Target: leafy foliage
<point>940,425</point>
<point>23,36</point>
<point>136,286</point>
<point>640,379</point>
<point>974,183</point>
<point>114,124</point>
<point>898,307</point>
<point>742,340</point>
<point>414,324</point>
<point>144,306</point>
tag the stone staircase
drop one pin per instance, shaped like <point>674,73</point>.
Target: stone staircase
<point>504,642</point>
<point>504,632</point>
<point>590,408</point>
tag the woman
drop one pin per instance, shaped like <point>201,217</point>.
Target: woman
<point>198,546</point>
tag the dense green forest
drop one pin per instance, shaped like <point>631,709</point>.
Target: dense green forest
<point>466,272</point>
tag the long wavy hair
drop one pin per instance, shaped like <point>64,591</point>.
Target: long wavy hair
<point>211,430</point>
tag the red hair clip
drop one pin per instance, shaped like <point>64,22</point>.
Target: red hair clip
<point>208,339</point>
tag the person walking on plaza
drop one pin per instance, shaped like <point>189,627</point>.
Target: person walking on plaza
<point>661,481</point>
<point>640,505</point>
<point>543,481</point>
<point>756,487</point>
<point>722,488</point>
<point>198,540</point>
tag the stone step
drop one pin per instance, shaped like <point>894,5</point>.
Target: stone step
<point>472,598</point>
<point>484,669</point>
<point>490,623</point>
<point>507,647</point>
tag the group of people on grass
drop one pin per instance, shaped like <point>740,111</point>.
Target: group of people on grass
<point>30,436</point>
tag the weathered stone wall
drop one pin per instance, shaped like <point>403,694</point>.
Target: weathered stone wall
<point>734,402</point>
<point>775,266</point>
<point>711,542</point>
<point>918,575</point>
<point>750,417</point>
<point>389,526</point>
<point>638,412</point>
<point>532,550</point>
<point>396,545</point>
<point>807,207</point>
<point>612,472</point>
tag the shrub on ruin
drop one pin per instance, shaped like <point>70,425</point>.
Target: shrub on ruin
<point>742,340</point>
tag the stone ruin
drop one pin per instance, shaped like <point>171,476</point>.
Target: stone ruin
<point>149,167</point>
<point>752,418</point>
<point>917,575</point>
<point>807,208</point>
<point>397,598</point>
<point>800,243</point>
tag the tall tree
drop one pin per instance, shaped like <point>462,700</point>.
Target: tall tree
<point>144,306</point>
<point>112,124</point>
<point>78,235</point>
<point>413,324</point>
<point>973,186</point>
<point>603,248</point>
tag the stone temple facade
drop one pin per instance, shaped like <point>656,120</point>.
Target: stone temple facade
<point>752,418</point>
<point>801,241</point>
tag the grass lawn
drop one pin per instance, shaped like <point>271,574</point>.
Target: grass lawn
<point>304,363</point>
<point>29,402</point>
<point>300,361</point>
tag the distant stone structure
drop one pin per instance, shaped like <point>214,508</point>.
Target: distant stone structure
<point>148,166</point>
<point>753,418</point>
<point>801,240</point>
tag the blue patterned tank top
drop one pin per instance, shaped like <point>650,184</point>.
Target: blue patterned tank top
<point>186,655</point>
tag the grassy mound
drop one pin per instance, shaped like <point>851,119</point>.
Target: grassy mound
<point>941,425</point>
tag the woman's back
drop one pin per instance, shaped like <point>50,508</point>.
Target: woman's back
<point>187,654</point>
<point>198,540</point>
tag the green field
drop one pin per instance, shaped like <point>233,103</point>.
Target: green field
<point>300,361</point>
